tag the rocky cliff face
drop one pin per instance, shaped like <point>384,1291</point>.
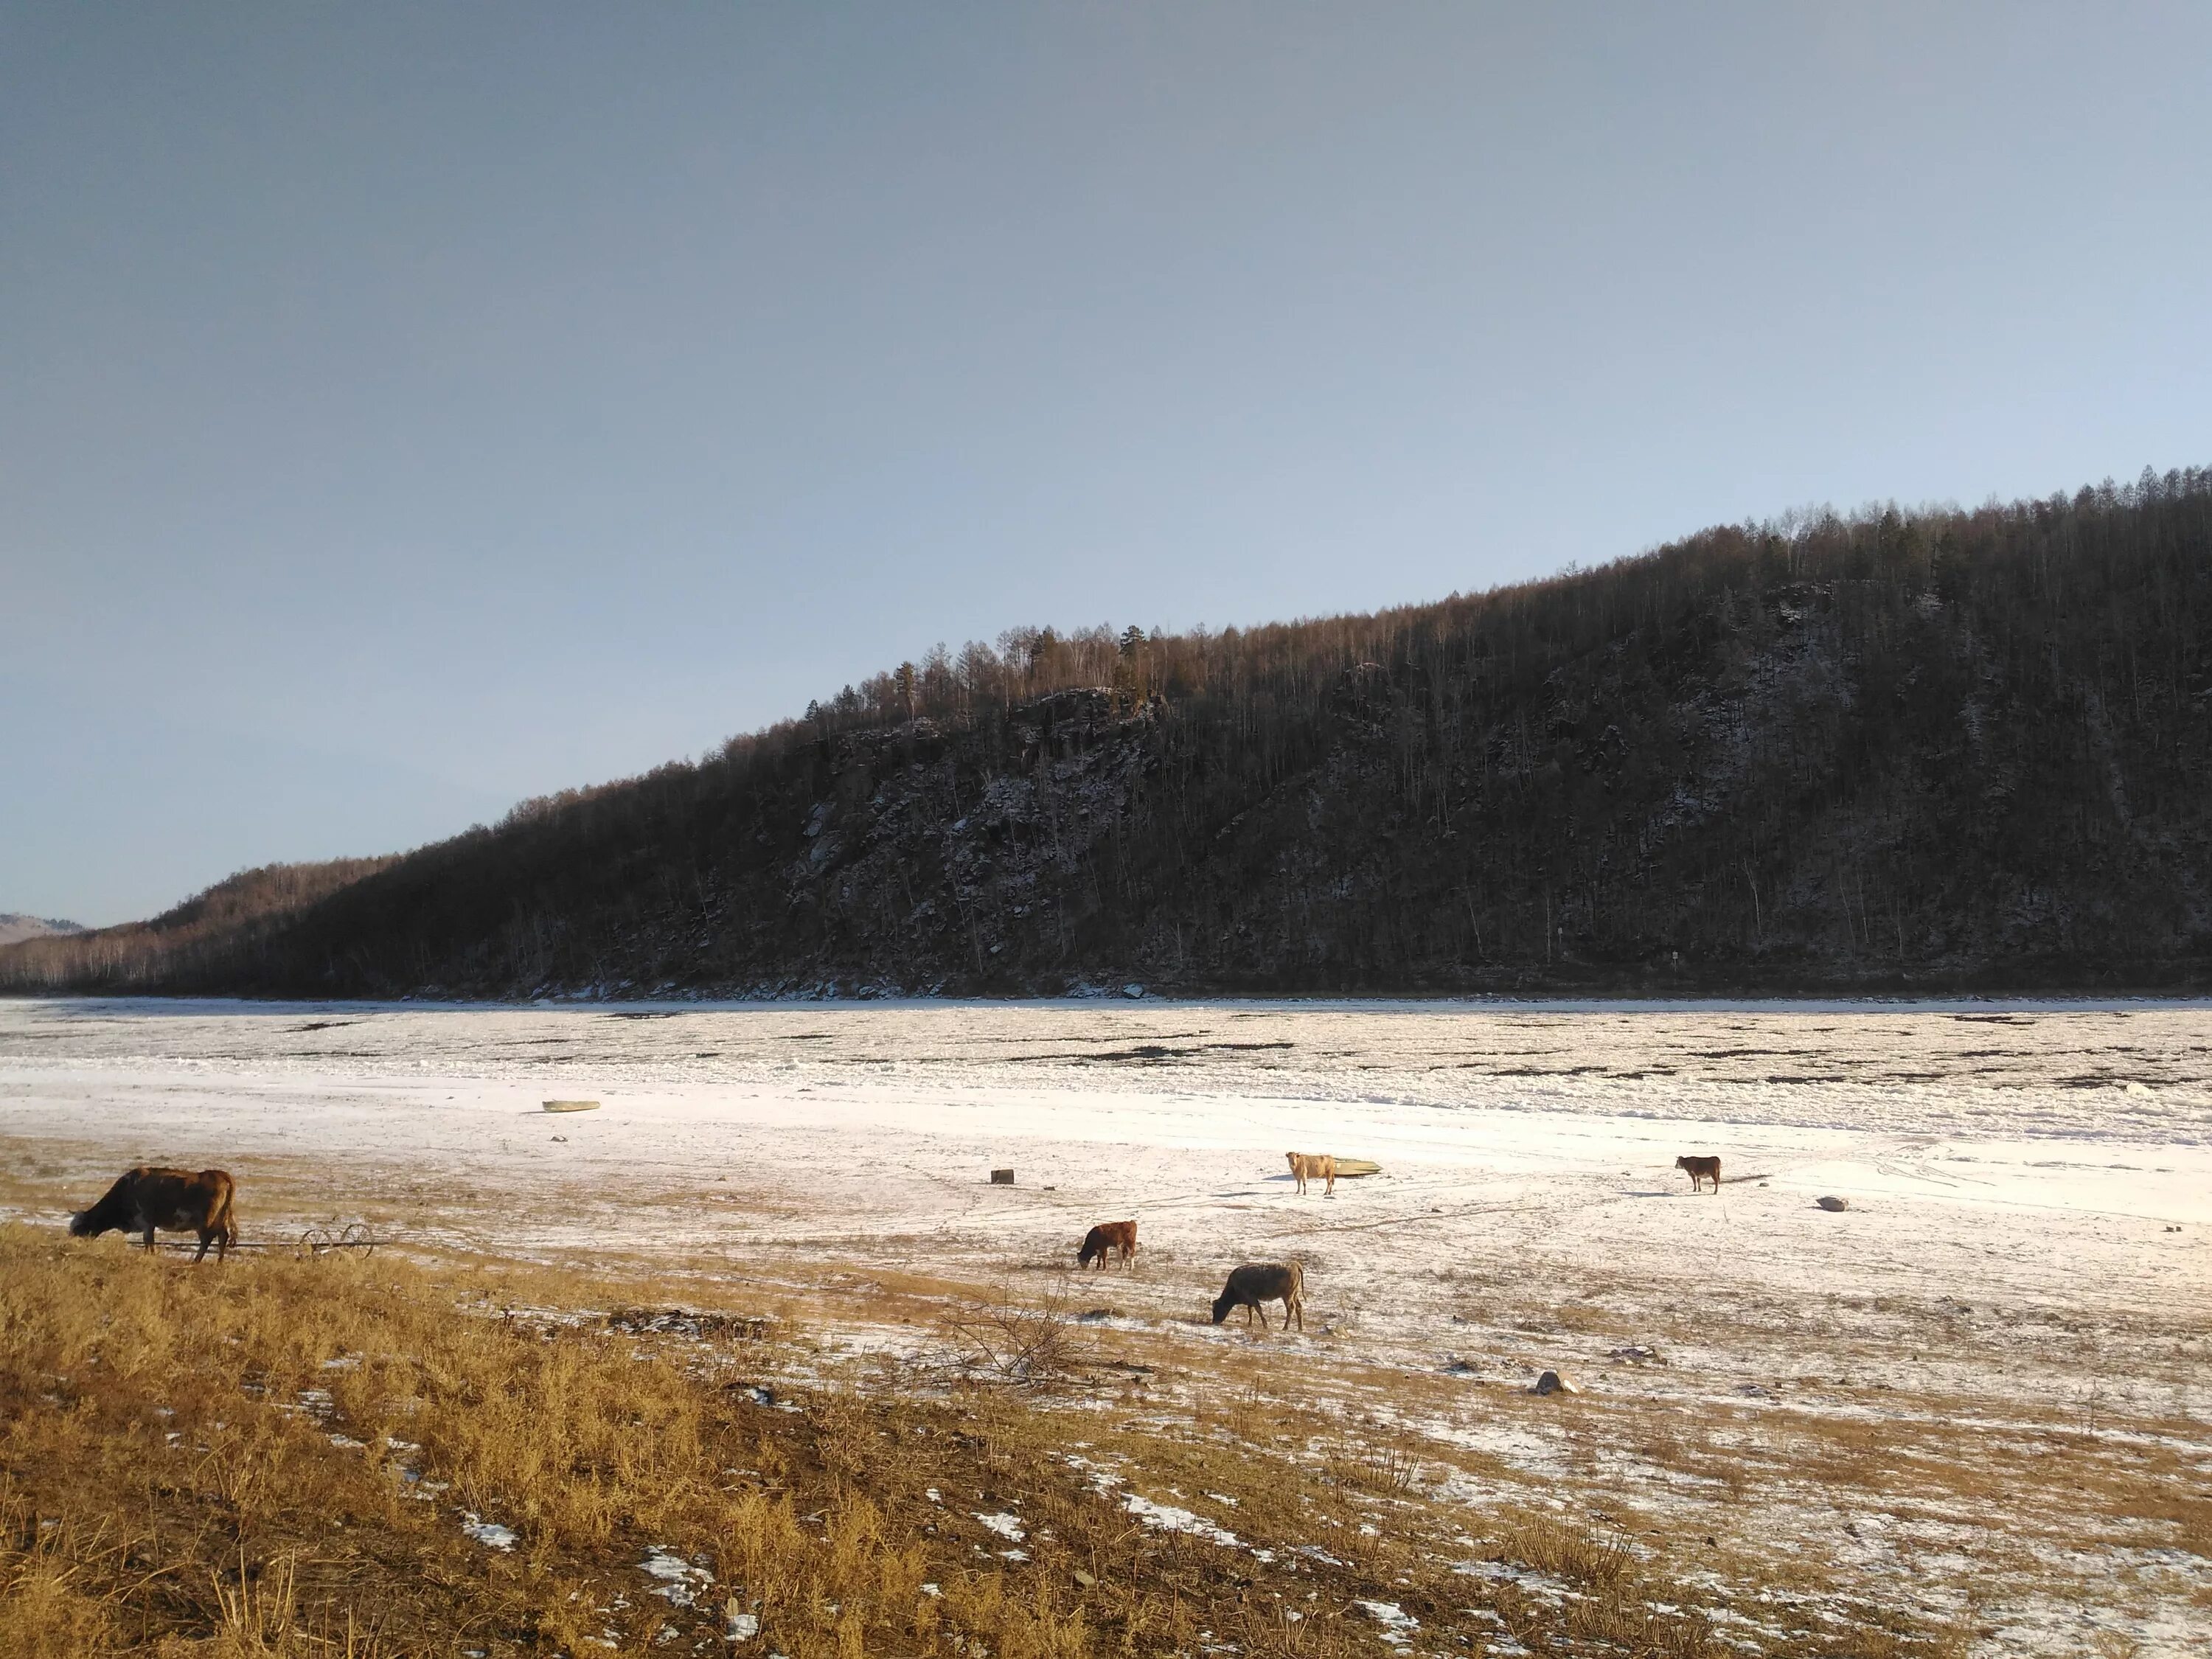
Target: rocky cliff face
<point>928,856</point>
<point>925,866</point>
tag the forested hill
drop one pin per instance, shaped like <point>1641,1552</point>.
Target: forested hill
<point>1941,749</point>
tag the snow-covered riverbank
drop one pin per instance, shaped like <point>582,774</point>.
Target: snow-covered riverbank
<point>2030,1186</point>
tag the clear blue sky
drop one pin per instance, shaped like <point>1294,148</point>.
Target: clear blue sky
<point>406,409</point>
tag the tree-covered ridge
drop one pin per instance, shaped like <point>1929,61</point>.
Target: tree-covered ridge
<point>1926,748</point>
<point>210,934</point>
<point>14,926</point>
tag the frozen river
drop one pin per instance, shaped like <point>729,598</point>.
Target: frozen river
<point>2055,1145</point>
<point>2081,1108</point>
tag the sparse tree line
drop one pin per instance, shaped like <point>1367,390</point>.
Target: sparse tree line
<point>1895,749</point>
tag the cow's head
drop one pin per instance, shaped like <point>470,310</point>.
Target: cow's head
<point>1222,1304</point>
<point>80,1223</point>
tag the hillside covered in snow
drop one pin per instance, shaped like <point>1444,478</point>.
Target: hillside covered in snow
<point>1902,750</point>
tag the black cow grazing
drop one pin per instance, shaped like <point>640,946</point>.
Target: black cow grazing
<point>175,1201</point>
<point>1264,1281</point>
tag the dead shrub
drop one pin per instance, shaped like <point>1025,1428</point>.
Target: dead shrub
<point>1022,1345</point>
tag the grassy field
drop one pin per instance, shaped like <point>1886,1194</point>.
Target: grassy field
<point>287,1457</point>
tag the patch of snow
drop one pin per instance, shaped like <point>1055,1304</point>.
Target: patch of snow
<point>489,1533</point>
<point>1169,1518</point>
<point>1398,1625</point>
<point>680,1580</point>
<point>1528,1580</point>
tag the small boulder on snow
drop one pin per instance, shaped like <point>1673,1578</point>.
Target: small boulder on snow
<point>1553,1383</point>
<point>1830,1202</point>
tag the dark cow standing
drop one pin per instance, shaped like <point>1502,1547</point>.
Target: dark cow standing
<point>1700,1170</point>
<point>1264,1281</point>
<point>175,1201</point>
<point>1119,1238</point>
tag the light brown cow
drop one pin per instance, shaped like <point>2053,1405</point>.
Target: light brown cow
<point>1264,1281</point>
<point>1307,1165</point>
<point>1120,1237</point>
<point>1700,1170</point>
<point>175,1201</point>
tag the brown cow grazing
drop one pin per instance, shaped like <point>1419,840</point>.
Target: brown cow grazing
<point>1117,1236</point>
<point>1306,1165</point>
<point>1264,1281</point>
<point>175,1201</point>
<point>1701,1170</point>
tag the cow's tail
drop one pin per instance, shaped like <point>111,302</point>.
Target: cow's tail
<point>223,1216</point>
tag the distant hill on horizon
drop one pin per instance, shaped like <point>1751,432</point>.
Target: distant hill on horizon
<point>1929,751</point>
<point>14,926</point>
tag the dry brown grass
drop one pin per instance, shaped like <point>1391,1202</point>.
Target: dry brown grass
<point>556,1399</point>
<point>272,1460</point>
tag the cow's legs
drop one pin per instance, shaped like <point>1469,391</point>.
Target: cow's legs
<point>147,1237</point>
<point>207,1236</point>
